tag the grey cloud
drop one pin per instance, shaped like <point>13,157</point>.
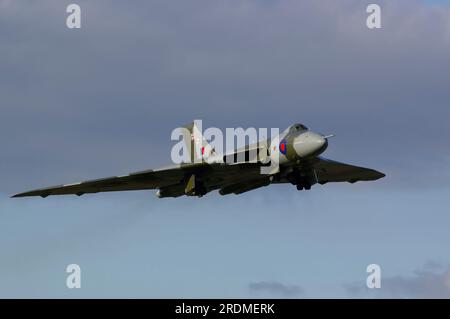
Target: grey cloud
<point>274,288</point>
<point>430,281</point>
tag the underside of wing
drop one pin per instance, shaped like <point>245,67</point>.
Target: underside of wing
<point>245,186</point>
<point>236,179</point>
<point>150,179</point>
<point>331,171</point>
<point>228,179</point>
<point>171,182</point>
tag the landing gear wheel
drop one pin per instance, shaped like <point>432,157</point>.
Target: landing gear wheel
<point>308,187</point>
<point>299,187</point>
<point>200,191</point>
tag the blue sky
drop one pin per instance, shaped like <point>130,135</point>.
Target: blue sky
<point>103,101</point>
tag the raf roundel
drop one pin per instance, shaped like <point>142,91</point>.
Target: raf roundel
<point>283,147</point>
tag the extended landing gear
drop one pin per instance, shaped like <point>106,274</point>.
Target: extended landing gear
<point>302,179</point>
<point>200,190</point>
<point>303,186</point>
<point>195,187</point>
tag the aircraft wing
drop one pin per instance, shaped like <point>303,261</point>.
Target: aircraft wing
<point>237,178</point>
<point>331,171</point>
<point>215,176</point>
<point>150,179</point>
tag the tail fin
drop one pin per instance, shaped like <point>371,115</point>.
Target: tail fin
<point>199,148</point>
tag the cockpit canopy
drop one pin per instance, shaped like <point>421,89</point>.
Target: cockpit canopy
<point>297,128</point>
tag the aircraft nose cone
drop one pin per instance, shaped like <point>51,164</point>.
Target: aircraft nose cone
<point>320,141</point>
<point>310,144</point>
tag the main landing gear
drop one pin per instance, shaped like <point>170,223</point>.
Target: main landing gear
<point>195,187</point>
<point>302,180</point>
<point>303,186</point>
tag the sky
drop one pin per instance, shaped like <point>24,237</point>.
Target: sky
<point>103,100</point>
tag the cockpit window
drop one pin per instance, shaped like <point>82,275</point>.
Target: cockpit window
<point>298,128</point>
